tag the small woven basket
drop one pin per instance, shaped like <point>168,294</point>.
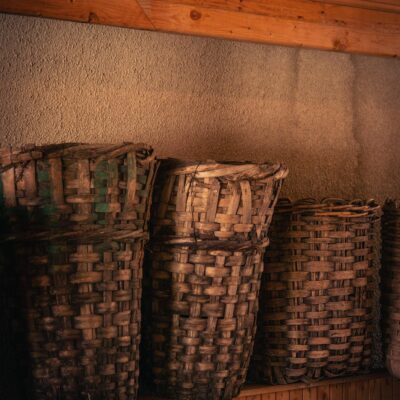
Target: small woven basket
<point>391,285</point>
<point>209,235</point>
<point>68,189</point>
<point>212,201</point>
<point>318,297</point>
<point>76,216</point>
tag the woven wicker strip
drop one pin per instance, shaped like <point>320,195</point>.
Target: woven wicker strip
<point>215,201</point>
<point>77,217</point>
<point>209,234</point>
<point>317,297</point>
<point>391,285</point>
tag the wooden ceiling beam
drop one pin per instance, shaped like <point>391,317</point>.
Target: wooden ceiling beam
<point>126,13</point>
<point>381,5</point>
<point>359,26</point>
<point>301,23</point>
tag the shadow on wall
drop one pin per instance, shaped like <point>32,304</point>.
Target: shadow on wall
<point>14,371</point>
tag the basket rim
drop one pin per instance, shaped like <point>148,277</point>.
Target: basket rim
<point>78,235</point>
<point>329,206</point>
<point>392,205</point>
<point>11,156</point>
<point>229,245</point>
<point>228,170</point>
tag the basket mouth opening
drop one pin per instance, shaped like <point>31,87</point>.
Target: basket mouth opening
<point>230,170</point>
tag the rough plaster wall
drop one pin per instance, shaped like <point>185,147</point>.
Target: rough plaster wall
<point>334,119</point>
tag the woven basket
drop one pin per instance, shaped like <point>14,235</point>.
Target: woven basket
<point>77,216</point>
<point>318,297</point>
<point>67,189</point>
<point>391,285</point>
<point>210,232</point>
<point>205,304</point>
<point>82,309</point>
<point>215,201</point>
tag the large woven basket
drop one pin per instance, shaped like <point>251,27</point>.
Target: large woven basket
<point>76,216</point>
<point>320,291</point>
<point>205,305</point>
<point>391,285</point>
<point>209,235</point>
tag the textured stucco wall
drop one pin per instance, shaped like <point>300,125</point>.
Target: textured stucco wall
<point>334,119</point>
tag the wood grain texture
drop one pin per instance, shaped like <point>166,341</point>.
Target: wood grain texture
<point>296,394</point>
<point>359,26</point>
<point>349,391</point>
<point>378,386</point>
<point>283,396</point>
<point>323,392</point>
<point>387,389</point>
<point>127,13</point>
<point>310,393</point>
<point>224,22</point>
<point>396,389</point>
<point>362,390</point>
<point>336,392</point>
<point>388,5</point>
<point>268,396</point>
<point>347,381</point>
<point>375,388</point>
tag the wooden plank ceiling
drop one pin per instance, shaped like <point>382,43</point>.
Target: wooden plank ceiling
<point>359,26</point>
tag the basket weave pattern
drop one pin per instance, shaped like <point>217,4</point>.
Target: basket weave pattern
<point>77,216</point>
<point>221,202</point>
<point>317,294</point>
<point>66,188</point>
<point>210,232</point>
<point>205,303</point>
<point>82,307</point>
<point>391,285</point>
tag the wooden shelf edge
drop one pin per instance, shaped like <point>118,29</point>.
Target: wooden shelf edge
<point>358,26</point>
<point>259,390</point>
<point>253,390</point>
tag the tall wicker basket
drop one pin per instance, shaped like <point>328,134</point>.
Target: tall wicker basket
<point>76,216</point>
<point>391,285</point>
<point>209,234</point>
<point>319,292</point>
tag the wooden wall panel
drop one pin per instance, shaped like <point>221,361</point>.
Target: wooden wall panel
<point>360,26</point>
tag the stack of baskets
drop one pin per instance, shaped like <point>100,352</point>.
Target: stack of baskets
<point>76,216</point>
<point>319,295</point>
<point>391,285</point>
<point>209,234</point>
